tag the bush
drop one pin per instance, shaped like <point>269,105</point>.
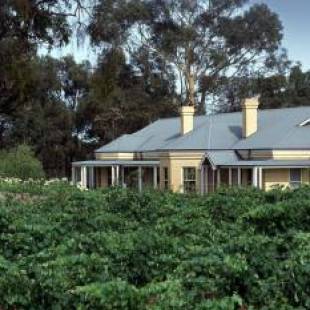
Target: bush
<point>20,163</point>
<point>119,249</point>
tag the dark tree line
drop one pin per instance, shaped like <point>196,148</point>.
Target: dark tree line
<point>153,56</point>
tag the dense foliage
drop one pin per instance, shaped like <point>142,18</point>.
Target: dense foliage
<point>117,249</point>
<point>20,163</point>
<point>198,41</point>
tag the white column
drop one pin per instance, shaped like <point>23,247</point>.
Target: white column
<point>73,175</point>
<point>117,176</point>
<point>230,176</point>
<point>260,177</point>
<point>155,177</point>
<point>254,177</point>
<point>83,177</point>
<point>239,177</point>
<point>218,178</point>
<point>112,176</point>
<point>140,178</point>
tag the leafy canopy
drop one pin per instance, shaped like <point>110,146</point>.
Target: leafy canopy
<point>21,163</point>
<point>198,40</point>
<point>118,249</point>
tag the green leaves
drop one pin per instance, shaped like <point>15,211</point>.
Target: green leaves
<point>119,249</point>
<point>20,163</point>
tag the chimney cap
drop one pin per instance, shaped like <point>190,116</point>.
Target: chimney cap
<point>187,109</point>
<point>252,102</point>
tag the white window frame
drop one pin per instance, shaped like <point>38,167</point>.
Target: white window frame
<point>189,180</point>
<point>295,183</point>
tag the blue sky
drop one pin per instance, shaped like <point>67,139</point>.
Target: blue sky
<point>294,15</point>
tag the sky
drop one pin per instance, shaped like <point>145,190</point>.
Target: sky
<point>295,18</point>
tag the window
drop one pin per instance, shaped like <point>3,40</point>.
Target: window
<point>189,180</point>
<point>295,178</point>
<point>166,178</point>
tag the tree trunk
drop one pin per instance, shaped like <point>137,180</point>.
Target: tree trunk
<point>191,90</point>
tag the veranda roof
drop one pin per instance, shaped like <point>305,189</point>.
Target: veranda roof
<point>231,159</point>
<point>109,163</point>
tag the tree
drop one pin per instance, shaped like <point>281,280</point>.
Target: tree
<point>276,91</point>
<point>20,162</point>
<point>121,100</point>
<point>26,24</point>
<point>200,40</point>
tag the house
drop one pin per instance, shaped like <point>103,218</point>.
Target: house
<point>200,153</point>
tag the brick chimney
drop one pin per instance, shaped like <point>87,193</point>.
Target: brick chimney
<point>249,116</point>
<point>187,119</point>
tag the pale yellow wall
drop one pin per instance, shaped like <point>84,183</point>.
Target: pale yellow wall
<point>275,177</point>
<point>128,156</point>
<point>176,161</point>
<point>255,154</point>
<point>114,156</point>
<point>291,154</point>
<point>306,176</point>
<point>275,154</point>
<point>150,155</point>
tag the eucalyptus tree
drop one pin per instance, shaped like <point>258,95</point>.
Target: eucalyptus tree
<point>200,40</point>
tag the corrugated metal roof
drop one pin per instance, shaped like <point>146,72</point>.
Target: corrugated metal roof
<point>230,159</point>
<point>277,129</point>
<point>220,158</point>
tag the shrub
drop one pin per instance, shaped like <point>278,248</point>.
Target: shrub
<point>20,163</point>
<point>119,249</point>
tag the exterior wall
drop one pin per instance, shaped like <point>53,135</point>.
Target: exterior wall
<point>275,154</point>
<point>128,156</point>
<point>256,154</point>
<point>306,176</point>
<point>246,177</point>
<point>292,154</point>
<point>114,156</point>
<point>147,177</point>
<point>275,177</point>
<point>150,156</point>
<point>176,161</point>
<point>102,176</point>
